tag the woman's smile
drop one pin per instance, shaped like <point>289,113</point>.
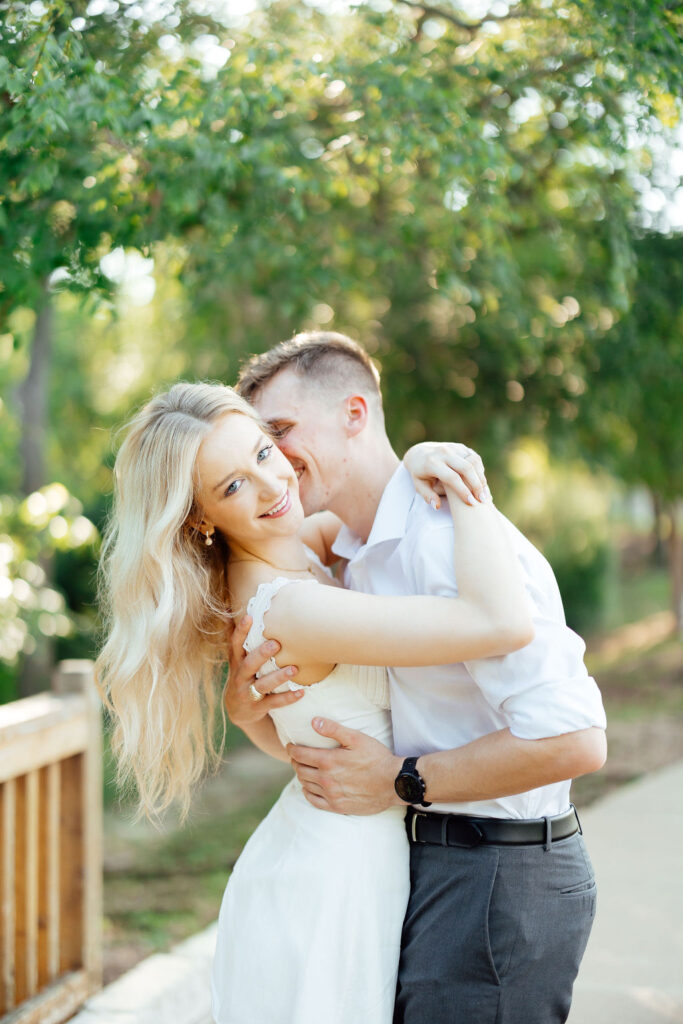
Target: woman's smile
<point>282,506</point>
<point>246,482</point>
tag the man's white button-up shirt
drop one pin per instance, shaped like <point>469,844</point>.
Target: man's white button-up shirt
<point>541,690</point>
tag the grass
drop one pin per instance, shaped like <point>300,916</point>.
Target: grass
<point>161,887</point>
<point>636,656</point>
<point>171,886</point>
<point>633,596</point>
<point>637,661</point>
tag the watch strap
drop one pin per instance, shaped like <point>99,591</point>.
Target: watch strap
<point>409,767</point>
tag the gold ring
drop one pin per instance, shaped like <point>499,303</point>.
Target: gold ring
<point>254,694</point>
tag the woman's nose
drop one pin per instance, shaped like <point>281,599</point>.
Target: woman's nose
<point>270,484</point>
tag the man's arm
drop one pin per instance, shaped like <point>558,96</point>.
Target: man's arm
<point>358,776</point>
<point>319,532</point>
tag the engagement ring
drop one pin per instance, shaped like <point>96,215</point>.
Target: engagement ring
<point>254,694</point>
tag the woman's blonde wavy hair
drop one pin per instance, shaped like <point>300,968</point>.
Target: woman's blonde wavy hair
<point>165,602</point>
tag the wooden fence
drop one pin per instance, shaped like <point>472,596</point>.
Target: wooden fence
<point>51,849</point>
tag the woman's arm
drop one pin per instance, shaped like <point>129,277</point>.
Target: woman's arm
<point>250,715</point>
<point>327,625</point>
<point>263,735</point>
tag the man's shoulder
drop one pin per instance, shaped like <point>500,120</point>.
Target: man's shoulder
<point>427,528</point>
<point>423,520</point>
<point>429,534</point>
<point>426,548</point>
<point>524,547</point>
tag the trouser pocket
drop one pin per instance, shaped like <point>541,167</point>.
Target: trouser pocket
<point>540,917</point>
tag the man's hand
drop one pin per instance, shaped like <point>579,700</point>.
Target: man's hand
<point>357,777</point>
<point>240,705</point>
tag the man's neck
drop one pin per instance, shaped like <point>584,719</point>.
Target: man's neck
<point>358,504</point>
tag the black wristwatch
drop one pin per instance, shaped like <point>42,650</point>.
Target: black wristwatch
<point>410,785</point>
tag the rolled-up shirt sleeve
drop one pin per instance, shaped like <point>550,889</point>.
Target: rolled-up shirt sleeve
<point>544,689</point>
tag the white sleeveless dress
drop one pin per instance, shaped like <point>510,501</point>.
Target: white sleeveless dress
<point>309,929</point>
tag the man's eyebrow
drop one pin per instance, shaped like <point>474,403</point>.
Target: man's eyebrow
<point>225,479</point>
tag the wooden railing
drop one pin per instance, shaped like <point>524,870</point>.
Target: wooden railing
<point>51,849</point>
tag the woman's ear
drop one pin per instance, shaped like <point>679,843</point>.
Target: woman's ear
<point>195,517</point>
<point>356,414</point>
<point>196,523</point>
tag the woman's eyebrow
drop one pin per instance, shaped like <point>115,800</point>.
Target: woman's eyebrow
<point>233,471</point>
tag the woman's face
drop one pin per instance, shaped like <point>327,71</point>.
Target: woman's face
<point>247,488</point>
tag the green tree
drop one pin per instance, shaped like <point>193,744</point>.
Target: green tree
<point>31,532</point>
<point>456,192</point>
<point>633,419</point>
<point>71,121</point>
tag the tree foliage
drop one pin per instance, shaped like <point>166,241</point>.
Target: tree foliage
<point>31,531</point>
<point>457,191</point>
<point>633,419</point>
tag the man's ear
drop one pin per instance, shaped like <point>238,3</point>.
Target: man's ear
<point>356,414</point>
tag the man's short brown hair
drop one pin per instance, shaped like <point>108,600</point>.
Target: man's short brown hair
<point>326,357</point>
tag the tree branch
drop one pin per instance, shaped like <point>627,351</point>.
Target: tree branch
<point>471,27</point>
<point>536,73</point>
<point>436,12</point>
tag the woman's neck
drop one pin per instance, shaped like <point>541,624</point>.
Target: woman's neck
<point>284,553</point>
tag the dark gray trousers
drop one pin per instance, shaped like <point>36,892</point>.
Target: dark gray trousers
<point>494,934</point>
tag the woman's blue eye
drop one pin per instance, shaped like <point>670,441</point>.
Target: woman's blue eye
<point>236,484</point>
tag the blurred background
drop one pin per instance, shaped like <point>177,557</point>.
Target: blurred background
<point>486,195</point>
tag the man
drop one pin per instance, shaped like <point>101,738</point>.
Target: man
<point>502,891</point>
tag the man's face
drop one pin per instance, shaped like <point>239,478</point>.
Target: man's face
<point>310,431</point>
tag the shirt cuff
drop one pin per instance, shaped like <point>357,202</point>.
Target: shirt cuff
<point>553,709</point>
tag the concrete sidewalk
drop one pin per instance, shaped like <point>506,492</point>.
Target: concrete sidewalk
<point>632,972</point>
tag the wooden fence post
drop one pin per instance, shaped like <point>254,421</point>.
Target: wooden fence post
<point>76,676</point>
<point>51,849</point>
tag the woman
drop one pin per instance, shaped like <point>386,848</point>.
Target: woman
<point>207,517</point>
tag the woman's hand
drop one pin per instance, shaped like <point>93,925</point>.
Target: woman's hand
<point>242,707</point>
<point>434,465</point>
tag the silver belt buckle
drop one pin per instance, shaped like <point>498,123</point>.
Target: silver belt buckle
<point>413,825</point>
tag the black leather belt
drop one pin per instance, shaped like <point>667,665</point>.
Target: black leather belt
<point>468,830</point>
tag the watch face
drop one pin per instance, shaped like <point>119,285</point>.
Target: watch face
<point>409,789</point>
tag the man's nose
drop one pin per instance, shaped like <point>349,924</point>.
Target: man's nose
<point>285,447</point>
<point>289,450</point>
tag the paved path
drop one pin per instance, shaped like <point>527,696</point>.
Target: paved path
<point>632,972</point>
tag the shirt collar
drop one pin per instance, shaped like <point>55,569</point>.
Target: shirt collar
<point>347,543</point>
<point>390,519</point>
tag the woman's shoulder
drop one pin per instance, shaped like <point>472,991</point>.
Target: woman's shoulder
<point>267,589</point>
<point>256,591</point>
<point>257,606</point>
